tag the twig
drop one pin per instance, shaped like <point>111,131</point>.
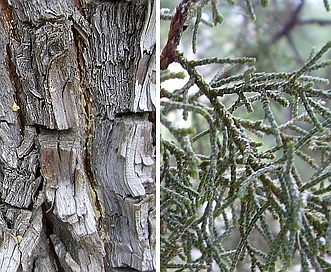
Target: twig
<point>177,27</point>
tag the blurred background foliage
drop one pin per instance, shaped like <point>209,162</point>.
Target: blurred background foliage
<point>281,37</point>
<point>245,171</point>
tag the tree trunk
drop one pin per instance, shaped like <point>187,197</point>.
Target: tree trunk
<point>77,138</point>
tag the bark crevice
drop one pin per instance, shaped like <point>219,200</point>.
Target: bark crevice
<point>70,84</point>
<point>18,88</point>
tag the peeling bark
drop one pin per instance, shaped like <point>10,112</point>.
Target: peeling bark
<point>77,166</point>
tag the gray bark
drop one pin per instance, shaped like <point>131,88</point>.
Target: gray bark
<point>77,140</point>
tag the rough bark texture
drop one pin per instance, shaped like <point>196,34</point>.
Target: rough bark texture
<point>77,144</point>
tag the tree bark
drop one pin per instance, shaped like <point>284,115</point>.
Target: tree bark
<point>77,137</point>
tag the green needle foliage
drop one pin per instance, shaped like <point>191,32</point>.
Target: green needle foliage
<point>233,189</point>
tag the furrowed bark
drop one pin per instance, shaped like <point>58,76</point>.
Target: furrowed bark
<point>77,163</point>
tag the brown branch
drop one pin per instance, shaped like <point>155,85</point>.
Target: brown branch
<point>290,25</point>
<point>315,21</point>
<point>177,27</point>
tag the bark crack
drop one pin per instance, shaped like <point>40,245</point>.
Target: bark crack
<point>78,4</point>
<point>80,43</point>
<point>18,87</point>
<point>49,230</point>
<point>8,20</point>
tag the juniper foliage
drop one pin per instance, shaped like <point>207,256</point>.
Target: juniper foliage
<point>243,197</point>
